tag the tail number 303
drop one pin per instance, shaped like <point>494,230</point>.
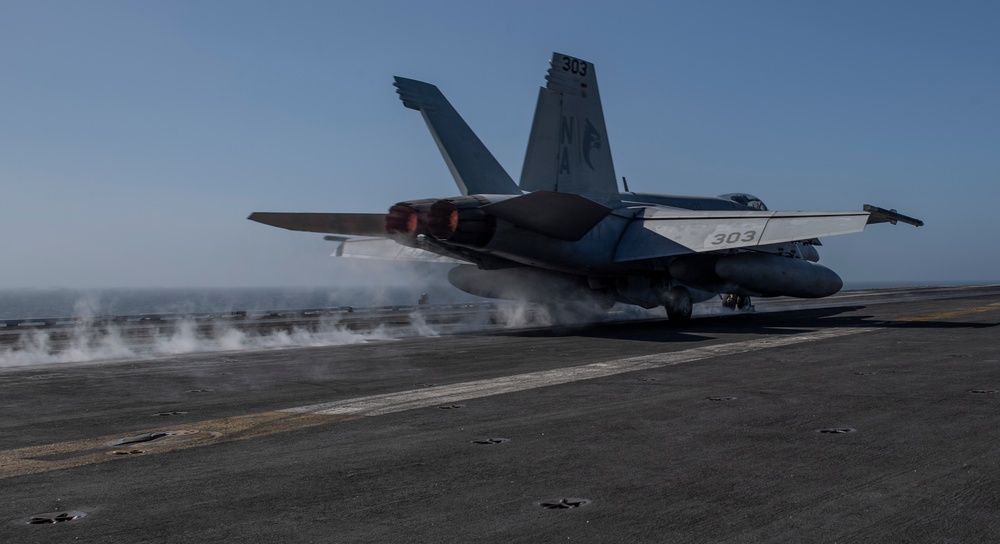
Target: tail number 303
<point>733,237</point>
<point>575,66</point>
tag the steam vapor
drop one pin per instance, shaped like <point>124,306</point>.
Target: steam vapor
<point>86,343</point>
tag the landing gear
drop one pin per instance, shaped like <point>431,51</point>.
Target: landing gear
<point>736,302</point>
<point>677,301</point>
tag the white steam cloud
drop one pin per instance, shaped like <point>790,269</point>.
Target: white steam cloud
<point>86,342</point>
<point>90,339</point>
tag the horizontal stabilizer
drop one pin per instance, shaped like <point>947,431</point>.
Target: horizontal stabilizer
<point>564,216</point>
<point>356,224</point>
<point>882,215</point>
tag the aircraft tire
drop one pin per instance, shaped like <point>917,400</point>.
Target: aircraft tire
<point>678,303</point>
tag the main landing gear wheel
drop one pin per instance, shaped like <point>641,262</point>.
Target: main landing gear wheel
<point>677,301</point>
<point>736,302</point>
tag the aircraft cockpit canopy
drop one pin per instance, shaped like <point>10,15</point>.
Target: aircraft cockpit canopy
<point>749,201</point>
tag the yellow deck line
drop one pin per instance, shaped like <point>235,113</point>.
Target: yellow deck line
<point>75,453</point>
<point>954,313</point>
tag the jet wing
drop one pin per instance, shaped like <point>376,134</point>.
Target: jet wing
<point>355,224</point>
<point>663,232</point>
<point>360,235</point>
<point>882,215</point>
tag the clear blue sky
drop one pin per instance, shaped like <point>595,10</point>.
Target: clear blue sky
<point>135,137</point>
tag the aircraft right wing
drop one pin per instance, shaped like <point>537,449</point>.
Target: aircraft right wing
<point>882,215</point>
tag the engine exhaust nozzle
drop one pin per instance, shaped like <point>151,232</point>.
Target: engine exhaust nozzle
<point>460,221</point>
<point>408,218</point>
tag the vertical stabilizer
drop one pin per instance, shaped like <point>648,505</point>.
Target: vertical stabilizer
<point>568,149</point>
<point>475,169</point>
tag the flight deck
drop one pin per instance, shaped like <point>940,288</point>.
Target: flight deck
<point>870,416</point>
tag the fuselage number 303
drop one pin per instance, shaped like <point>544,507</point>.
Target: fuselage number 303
<point>733,237</point>
<point>574,66</point>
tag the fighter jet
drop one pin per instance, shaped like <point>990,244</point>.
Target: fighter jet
<point>566,233</point>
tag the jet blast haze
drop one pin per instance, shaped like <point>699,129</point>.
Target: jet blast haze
<point>566,234</point>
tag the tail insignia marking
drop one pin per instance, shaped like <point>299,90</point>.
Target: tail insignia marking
<point>591,140</point>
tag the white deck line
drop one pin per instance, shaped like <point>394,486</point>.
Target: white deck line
<point>388,403</point>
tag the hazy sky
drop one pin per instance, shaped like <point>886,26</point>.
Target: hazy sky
<point>135,137</point>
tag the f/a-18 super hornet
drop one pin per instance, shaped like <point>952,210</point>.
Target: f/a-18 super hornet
<point>567,234</point>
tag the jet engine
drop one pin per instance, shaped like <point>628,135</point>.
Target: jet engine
<point>458,220</point>
<point>406,220</point>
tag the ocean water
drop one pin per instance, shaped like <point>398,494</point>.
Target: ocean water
<point>48,303</point>
<point>858,285</point>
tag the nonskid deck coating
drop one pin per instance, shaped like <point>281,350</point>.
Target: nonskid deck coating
<point>659,456</point>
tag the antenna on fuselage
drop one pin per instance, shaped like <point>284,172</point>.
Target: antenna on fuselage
<point>625,183</point>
